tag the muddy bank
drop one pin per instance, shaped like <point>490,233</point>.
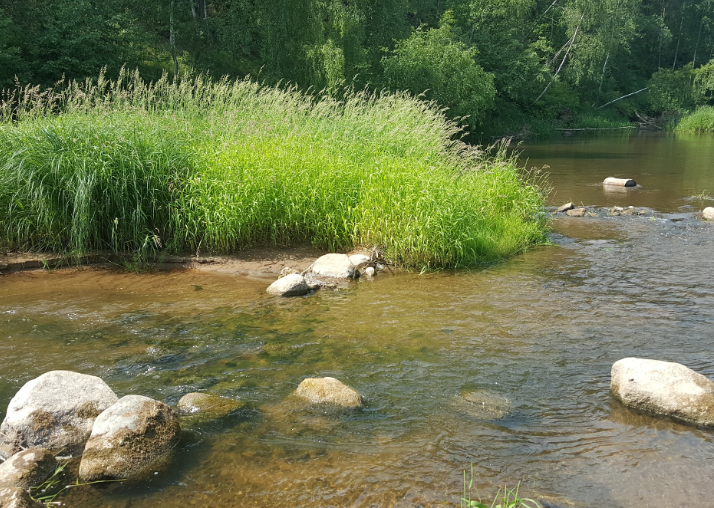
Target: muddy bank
<point>254,262</point>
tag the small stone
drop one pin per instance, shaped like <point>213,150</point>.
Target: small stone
<point>291,285</point>
<point>616,209</point>
<point>708,213</point>
<point>27,468</point>
<point>207,404</point>
<point>17,497</point>
<point>642,212</point>
<point>565,207</point>
<point>664,388</point>
<point>628,211</point>
<point>336,266</point>
<point>328,390</point>
<point>577,212</point>
<point>131,438</point>
<point>369,271</point>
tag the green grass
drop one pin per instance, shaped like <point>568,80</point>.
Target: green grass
<point>505,497</point>
<point>196,165</point>
<point>701,120</point>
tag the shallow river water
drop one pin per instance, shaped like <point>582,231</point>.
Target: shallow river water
<point>541,330</point>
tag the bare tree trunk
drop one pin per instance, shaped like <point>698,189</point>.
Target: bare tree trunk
<point>679,39</point>
<point>193,9</point>
<point>696,47</point>
<point>172,38</point>
<point>572,42</point>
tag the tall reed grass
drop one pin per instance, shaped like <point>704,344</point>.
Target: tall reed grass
<point>700,120</point>
<point>217,166</point>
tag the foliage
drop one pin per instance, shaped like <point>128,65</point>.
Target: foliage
<point>703,86</point>
<point>505,497</point>
<point>671,91</point>
<point>433,64</point>
<point>195,165</point>
<point>701,120</point>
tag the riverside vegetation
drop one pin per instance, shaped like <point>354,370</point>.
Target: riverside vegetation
<point>196,165</point>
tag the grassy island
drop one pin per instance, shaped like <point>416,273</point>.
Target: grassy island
<point>216,166</point>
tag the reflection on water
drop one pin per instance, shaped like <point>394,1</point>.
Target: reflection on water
<point>535,336</point>
<point>670,169</point>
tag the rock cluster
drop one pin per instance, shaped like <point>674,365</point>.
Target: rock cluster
<point>63,412</point>
<point>327,271</point>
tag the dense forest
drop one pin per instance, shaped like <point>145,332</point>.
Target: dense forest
<point>499,64</point>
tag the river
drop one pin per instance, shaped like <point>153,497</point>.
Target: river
<point>541,330</point>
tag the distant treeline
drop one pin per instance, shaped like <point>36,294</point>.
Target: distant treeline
<point>500,63</point>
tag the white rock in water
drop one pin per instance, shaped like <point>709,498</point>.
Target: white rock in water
<point>665,388</point>
<point>565,207</point>
<point>55,411</point>
<point>708,213</point>
<point>291,285</point>
<point>620,182</point>
<point>328,390</point>
<point>577,212</point>
<point>336,266</point>
<point>132,437</point>
<point>369,271</point>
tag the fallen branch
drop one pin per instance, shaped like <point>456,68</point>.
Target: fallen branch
<point>623,97</point>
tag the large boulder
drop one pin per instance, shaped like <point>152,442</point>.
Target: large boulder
<point>130,439</point>
<point>336,266</point>
<point>206,404</point>
<point>328,390</point>
<point>15,497</point>
<point>291,285</point>
<point>708,213</point>
<point>664,388</point>
<point>55,411</point>
<point>27,469</point>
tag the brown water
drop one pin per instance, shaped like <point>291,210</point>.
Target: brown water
<point>671,170</point>
<point>541,330</point>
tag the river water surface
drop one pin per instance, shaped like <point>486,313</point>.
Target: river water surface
<point>541,330</point>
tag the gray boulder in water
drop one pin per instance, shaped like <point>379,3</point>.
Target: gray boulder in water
<point>27,469</point>
<point>708,213</point>
<point>130,439</point>
<point>664,388</point>
<point>290,285</point>
<point>55,411</point>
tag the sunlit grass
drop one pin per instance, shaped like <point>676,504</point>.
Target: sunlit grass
<point>195,165</point>
<point>701,120</point>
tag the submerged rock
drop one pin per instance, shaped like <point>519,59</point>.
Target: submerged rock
<point>54,411</point>
<point>291,285</point>
<point>336,266</point>
<point>206,404</point>
<point>577,212</point>
<point>664,388</point>
<point>15,497</point>
<point>708,213</point>
<point>328,390</point>
<point>565,207</point>
<point>130,439</point>
<point>28,468</point>
<point>482,404</point>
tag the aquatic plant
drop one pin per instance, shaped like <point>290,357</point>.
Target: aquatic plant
<point>216,166</point>
<point>505,497</point>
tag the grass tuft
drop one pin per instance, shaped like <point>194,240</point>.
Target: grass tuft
<point>194,165</point>
<point>701,121</point>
